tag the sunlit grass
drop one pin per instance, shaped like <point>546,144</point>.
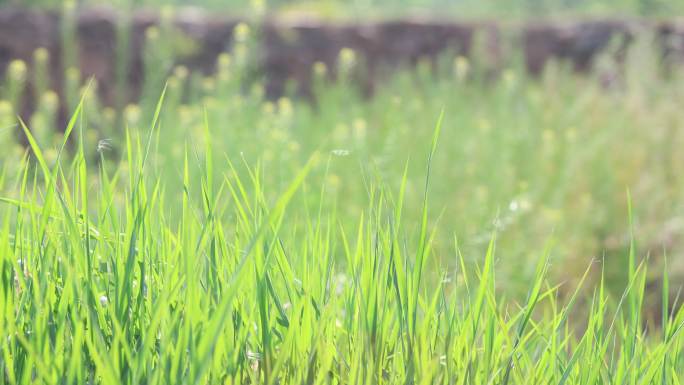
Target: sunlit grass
<point>100,284</point>
<point>529,158</point>
<point>456,227</point>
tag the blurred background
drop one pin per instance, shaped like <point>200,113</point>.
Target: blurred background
<point>555,111</point>
<point>389,8</point>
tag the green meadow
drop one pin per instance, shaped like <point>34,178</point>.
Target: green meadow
<point>452,228</point>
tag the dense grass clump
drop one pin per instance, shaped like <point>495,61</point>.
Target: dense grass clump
<point>260,283</point>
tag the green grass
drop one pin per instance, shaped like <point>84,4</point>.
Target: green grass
<point>101,285</point>
<point>336,9</point>
<point>528,158</point>
<point>455,228</point>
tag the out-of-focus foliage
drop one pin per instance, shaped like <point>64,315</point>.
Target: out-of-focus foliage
<point>386,8</point>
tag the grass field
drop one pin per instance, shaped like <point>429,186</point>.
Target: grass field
<point>387,8</point>
<point>452,229</point>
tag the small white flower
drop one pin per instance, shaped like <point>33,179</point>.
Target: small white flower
<point>104,145</point>
<point>340,152</point>
<point>513,206</point>
<point>341,281</point>
<point>521,204</point>
<point>254,357</point>
<point>104,300</point>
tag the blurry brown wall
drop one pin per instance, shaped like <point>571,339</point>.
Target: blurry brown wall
<point>288,48</point>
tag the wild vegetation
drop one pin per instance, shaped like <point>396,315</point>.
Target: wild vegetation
<point>454,228</point>
<point>386,8</point>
